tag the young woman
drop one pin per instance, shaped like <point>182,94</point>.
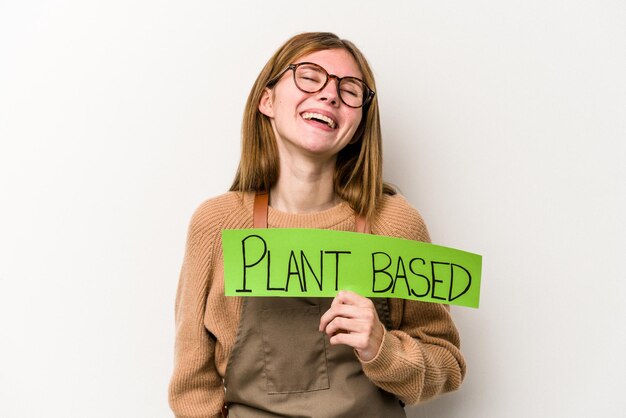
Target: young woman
<point>311,158</point>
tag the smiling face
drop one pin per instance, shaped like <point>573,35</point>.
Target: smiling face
<point>317,125</point>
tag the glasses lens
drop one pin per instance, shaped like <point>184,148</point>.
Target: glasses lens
<point>310,78</point>
<point>352,91</point>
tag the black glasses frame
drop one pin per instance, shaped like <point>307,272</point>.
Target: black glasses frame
<point>369,93</point>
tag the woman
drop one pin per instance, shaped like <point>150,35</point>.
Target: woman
<point>312,144</point>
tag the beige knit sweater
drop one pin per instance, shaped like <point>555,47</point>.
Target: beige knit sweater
<point>418,359</point>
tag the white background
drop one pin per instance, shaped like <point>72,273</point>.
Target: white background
<point>504,123</point>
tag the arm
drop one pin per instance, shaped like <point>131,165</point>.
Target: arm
<point>196,389</point>
<point>420,359</point>
<point>415,362</point>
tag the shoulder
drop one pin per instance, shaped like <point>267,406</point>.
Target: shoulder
<point>397,218</point>
<point>229,210</point>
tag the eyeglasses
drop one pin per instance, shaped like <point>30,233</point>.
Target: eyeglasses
<point>311,78</point>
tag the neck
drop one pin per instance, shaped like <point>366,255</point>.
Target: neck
<point>304,186</point>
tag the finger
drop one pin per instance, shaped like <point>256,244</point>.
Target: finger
<point>350,298</point>
<point>346,311</point>
<point>356,341</point>
<point>332,312</point>
<point>343,325</point>
<point>327,318</point>
<point>365,324</point>
<point>345,298</point>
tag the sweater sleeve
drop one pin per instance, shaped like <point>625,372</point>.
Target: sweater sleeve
<point>420,358</point>
<point>195,389</point>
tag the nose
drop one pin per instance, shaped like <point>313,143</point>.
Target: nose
<point>330,92</point>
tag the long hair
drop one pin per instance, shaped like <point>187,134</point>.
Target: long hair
<point>358,170</point>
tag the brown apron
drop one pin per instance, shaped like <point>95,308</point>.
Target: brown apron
<point>282,366</point>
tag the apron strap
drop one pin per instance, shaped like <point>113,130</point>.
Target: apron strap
<point>259,216</point>
<point>259,219</point>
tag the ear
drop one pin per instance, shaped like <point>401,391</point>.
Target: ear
<point>266,104</point>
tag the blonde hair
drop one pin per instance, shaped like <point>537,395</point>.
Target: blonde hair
<point>358,171</point>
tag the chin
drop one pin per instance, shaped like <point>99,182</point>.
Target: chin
<point>321,150</point>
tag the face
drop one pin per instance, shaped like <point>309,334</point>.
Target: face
<point>313,124</point>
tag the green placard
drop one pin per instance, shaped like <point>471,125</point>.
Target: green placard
<point>319,263</point>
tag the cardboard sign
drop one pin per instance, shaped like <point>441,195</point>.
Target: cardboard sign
<point>318,263</point>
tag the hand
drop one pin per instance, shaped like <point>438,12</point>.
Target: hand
<point>352,320</point>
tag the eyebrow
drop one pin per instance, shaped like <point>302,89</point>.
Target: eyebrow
<point>329,73</point>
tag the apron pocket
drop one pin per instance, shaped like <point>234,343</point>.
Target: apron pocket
<point>294,350</point>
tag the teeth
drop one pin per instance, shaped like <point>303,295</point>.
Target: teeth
<point>309,115</point>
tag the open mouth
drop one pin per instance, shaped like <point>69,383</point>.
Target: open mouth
<point>320,119</point>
